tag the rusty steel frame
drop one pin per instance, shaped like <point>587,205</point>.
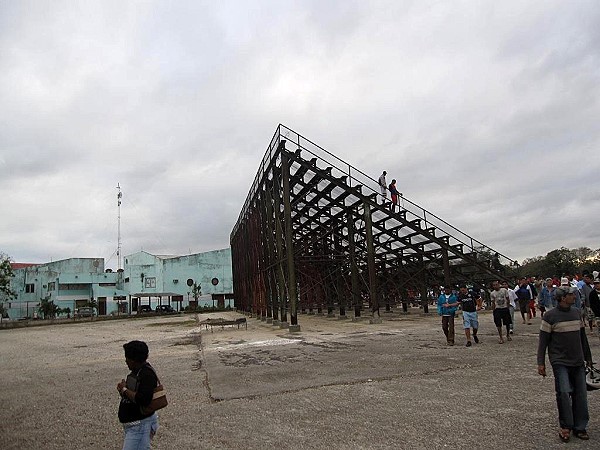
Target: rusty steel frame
<point>312,235</point>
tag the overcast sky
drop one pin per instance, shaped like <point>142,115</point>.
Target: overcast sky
<point>487,112</point>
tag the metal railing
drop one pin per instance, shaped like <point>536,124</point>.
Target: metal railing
<point>356,177</point>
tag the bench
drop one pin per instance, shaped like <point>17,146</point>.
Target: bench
<point>219,322</point>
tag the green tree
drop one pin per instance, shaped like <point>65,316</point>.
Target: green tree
<point>66,311</point>
<point>535,266</point>
<point>586,258</point>
<point>562,261</point>
<point>47,308</point>
<point>583,254</point>
<point>196,290</point>
<point>92,303</point>
<point>6,274</point>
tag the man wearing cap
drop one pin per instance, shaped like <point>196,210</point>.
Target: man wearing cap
<point>565,282</point>
<point>572,281</point>
<point>562,333</point>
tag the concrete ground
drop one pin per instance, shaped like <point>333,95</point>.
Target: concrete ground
<point>337,384</point>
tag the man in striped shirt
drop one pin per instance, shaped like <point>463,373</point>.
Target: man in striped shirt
<point>563,334</point>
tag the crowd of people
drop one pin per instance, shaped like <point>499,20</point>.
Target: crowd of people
<point>539,294</point>
<point>531,296</point>
<point>567,306</point>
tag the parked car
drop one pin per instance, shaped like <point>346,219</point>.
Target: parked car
<point>164,309</point>
<point>85,311</point>
<point>145,309</point>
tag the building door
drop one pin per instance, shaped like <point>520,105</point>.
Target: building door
<point>178,299</point>
<point>121,304</point>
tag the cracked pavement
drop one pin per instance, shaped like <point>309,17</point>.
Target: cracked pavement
<point>337,384</point>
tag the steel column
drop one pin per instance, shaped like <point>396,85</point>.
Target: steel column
<point>287,210</point>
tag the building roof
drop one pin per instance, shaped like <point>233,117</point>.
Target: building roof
<point>155,294</point>
<point>16,265</point>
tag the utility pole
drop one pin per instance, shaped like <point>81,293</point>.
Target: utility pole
<point>119,196</point>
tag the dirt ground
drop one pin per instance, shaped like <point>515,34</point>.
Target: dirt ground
<point>337,384</point>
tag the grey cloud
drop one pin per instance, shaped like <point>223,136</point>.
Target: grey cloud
<point>177,102</point>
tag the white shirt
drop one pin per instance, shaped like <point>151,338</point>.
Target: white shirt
<point>512,297</point>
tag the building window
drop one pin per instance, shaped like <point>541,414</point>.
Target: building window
<point>150,282</point>
<point>52,286</point>
<point>73,287</point>
<point>29,288</point>
<point>126,279</point>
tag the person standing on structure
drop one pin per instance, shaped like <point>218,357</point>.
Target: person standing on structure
<point>383,187</point>
<point>394,194</point>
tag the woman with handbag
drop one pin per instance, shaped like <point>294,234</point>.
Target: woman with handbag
<point>139,401</point>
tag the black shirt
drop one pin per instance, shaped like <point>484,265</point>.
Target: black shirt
<point>143,382</point>
<point>468,301</point>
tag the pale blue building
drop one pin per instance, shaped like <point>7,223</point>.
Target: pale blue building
<point>146,279</point>
<point>159,279</point>
<point>69,283</point>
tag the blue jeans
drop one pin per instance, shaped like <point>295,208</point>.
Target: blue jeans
<point>470,320</point>
<point>139,433</point>
<point>571,397</point>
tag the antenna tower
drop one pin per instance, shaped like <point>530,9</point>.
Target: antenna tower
<point>119,196</point>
